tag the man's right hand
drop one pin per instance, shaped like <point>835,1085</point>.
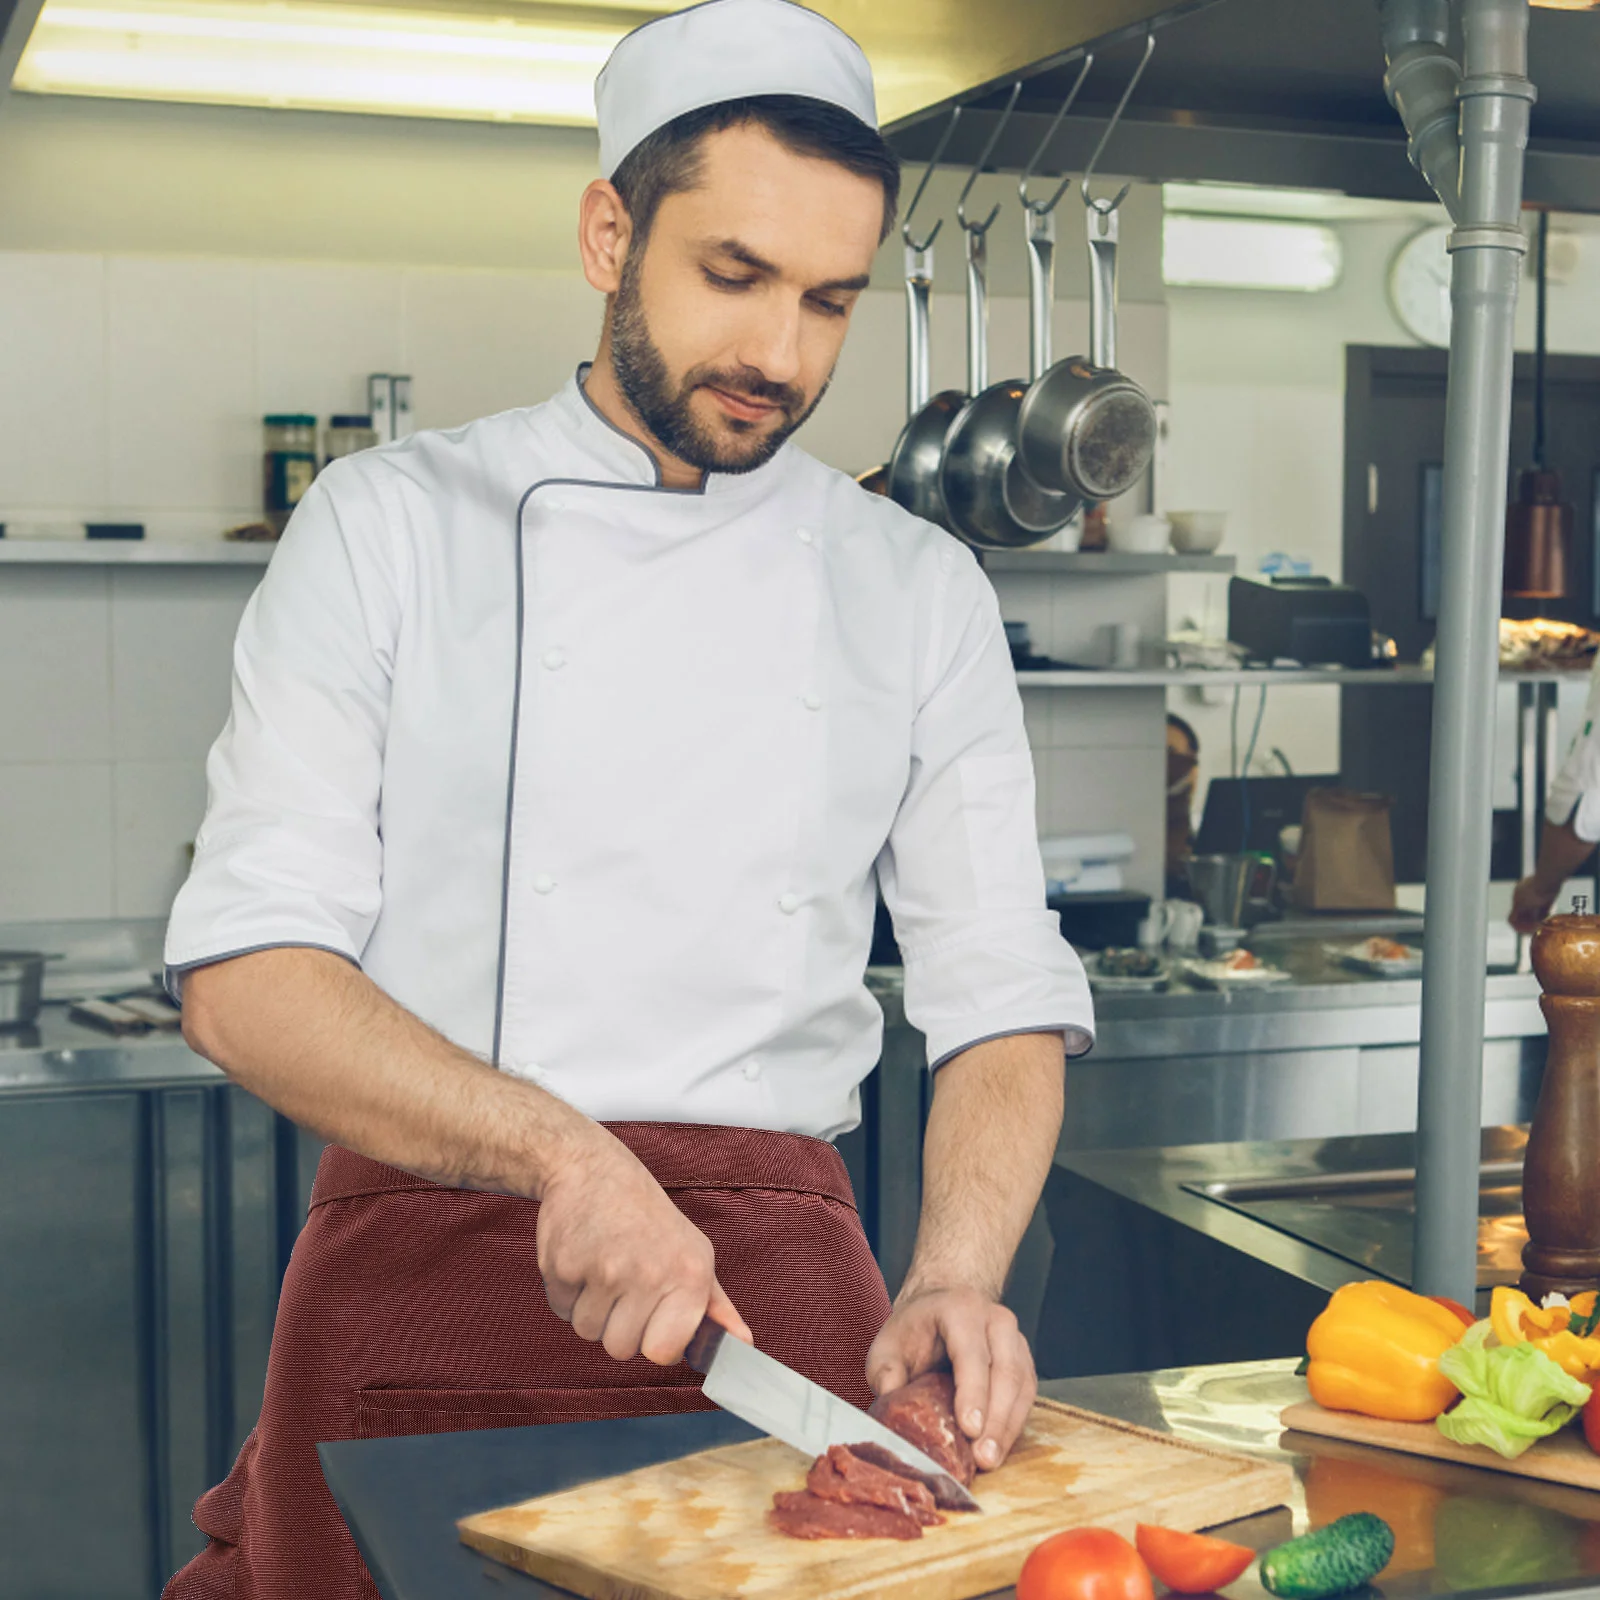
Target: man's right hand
<point>1531,902</point>
<point>620,1262</point>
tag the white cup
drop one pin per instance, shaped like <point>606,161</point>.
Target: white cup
<point>1173,923</point>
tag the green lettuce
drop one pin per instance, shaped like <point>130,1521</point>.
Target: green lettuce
<point>1513,1394</point>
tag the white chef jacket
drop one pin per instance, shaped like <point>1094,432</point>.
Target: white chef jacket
<point>1574,796</point>
<point>596,776</point>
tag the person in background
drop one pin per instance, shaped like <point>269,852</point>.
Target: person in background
<point>1571,822</point>
<point>1183,776</point>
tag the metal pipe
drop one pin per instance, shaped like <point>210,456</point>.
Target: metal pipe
<point>1421,82</point>
<point>1541,308</point>
<point>1486,250</point>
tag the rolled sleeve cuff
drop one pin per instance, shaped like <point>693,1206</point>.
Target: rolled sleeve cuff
<point>1011,975</point>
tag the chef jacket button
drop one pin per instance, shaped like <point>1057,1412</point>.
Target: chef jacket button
<point>555,659</point>
<point>803,535</point>
<point>544,883</point>
<point>751,1070</point>
<point>788,904</point>
<point>813,702</point>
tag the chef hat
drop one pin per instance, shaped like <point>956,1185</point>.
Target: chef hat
<point>724,50</point>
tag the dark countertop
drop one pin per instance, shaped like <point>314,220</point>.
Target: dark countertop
<point>1457,1529</point>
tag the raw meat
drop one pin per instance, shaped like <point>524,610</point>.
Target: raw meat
<point>843,1475</point>
<point>938,1487</point>
<point>923,1413</point>
<point>803,1515</point>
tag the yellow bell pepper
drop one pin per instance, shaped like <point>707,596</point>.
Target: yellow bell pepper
<point>1517,1320</point>
<point>1375,1350</point>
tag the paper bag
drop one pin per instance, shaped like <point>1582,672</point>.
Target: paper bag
<point>1346,852</point>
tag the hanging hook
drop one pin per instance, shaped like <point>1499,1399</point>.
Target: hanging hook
<point>911,210</point>
<point>1106,207</point>
<point>981,163</point>
<point>1044,208</point>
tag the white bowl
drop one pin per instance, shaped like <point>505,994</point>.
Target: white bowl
<point>1144,534</point>
<point>1197,533</point>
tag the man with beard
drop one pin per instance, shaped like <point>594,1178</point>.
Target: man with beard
<point>568,752</point>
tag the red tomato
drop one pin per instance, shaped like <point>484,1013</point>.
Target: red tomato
<point>1084,1564</point>
<point>1191,1563</point>
<point>1456,1306</point>
<point>1591,1419</point>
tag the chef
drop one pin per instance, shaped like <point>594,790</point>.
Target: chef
<point>569,751</point>
<point>1571,822</point>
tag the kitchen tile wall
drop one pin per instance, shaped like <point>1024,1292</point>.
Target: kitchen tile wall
<point>132,387</point>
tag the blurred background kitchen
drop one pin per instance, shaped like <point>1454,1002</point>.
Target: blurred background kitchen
<point>236,239</point>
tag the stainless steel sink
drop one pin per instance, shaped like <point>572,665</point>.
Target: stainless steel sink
<point>1366,1217</point>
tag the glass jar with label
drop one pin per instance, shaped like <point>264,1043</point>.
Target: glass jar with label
<point>345,435</point>
<point>289,463</point>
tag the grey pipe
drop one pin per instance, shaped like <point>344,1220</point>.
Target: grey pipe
<point>1421,82</point>
<point>919,296</point>
<point>1486,250</point>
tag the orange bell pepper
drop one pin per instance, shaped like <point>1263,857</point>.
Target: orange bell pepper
<point>1375,1350</point>
<point>1517,1320</point>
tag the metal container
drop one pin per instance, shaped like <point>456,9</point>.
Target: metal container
<point>1227,884</point>
<point>21,987</point>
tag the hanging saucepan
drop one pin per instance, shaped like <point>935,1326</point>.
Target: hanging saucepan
<point>1084,428</point>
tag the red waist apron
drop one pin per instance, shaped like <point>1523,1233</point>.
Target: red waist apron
<point>412,1308</point>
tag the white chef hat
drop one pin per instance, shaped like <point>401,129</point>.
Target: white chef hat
<point>724,50</point>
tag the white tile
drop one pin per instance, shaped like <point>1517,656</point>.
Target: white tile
<point>157,806</point>
<point>52,381</point>
<point>185,430</point>
<point>1038,717</point>
<point>481,342</point>
<point>55,841</point>
<point>321,328</point>
<point>1107,719</point>
<point>1093,791</point>
<point>171,657</point>
<point>55,674</point>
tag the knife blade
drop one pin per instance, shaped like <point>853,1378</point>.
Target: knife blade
<point>760,1390</point>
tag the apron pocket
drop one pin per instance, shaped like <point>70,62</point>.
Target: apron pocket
<point>390,1413</point>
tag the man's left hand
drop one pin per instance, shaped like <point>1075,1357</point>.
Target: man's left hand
<point>995,1380</point>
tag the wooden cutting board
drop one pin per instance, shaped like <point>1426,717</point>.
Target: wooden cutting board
<point>696,1528</point>
<point>1562,1458</point>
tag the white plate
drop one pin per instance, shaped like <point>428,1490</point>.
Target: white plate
<point>1219,975</point>
<point>1352,955</point>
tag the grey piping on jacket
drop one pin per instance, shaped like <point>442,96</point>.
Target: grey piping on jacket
<point>1063,1028</point>
<point>172,974</point>
<point>516,694</point>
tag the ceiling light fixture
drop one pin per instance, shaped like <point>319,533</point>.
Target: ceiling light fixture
<point>1248,253</point>
<point>324,57</point>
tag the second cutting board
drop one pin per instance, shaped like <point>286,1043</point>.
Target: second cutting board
<point>696,1528</point>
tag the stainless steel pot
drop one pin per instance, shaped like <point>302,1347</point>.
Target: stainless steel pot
<point>991,502</point>
<point>21,986</point>
<point>1084,428</point>
<point>913,471</point>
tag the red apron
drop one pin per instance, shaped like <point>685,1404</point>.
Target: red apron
<point>412,1308</point>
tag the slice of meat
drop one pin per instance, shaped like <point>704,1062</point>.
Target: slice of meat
<point>803,1515</point>
<point>844,1476</point>
<point>937,1487</point>
<point>923,1413</point>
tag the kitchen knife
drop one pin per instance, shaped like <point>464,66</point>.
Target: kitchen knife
<point>778,1400</point>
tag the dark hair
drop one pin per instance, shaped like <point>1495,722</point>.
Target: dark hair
<point>668,160</point>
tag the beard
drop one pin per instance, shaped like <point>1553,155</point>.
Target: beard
<point>664,406</point>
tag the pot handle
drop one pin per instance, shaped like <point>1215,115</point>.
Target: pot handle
<point>977,310</point>
<point>1040,233</point>
<point>1102,285</point>
<point>919,293</point>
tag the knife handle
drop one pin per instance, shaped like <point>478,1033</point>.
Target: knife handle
<point>703,1346</point>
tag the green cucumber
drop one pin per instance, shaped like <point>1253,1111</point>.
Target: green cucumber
<point>1333,1560</point>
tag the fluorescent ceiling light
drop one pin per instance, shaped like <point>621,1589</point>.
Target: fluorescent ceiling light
<point>1248,253</point>
<point>522,65</point>
<point>1319,205</point>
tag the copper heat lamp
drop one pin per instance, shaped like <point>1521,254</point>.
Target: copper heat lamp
<point>1538,558</point>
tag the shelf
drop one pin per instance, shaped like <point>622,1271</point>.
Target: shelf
<point>1100,563</point>
<point>135,552</point>
<point>1263,677</point>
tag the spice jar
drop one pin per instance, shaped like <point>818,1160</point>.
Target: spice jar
<point>289,463</point>
<point>345,435</point>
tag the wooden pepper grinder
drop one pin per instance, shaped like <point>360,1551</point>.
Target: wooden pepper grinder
<point>1561,1178</point>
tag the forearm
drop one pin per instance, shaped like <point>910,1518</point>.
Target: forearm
<point>1561,853</point>
<point>317,1040</point>
<point>991,1136</point>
